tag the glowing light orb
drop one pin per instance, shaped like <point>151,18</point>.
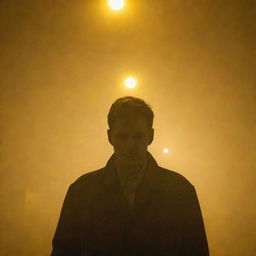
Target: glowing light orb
<point>116,4</point>
<point>130,82</point>
<point>166,150</point>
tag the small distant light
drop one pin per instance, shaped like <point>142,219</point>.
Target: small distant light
<point>166,150</point>
<point>130,82</point>
<point>116,4</point>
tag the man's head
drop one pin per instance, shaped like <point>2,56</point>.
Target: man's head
<point>130,130</point>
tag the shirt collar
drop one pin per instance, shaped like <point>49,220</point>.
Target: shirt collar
<point>111,178</point>
<point>138,175</point>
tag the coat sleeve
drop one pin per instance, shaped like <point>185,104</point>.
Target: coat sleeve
<point>66,241</point>
<point>194,240</point>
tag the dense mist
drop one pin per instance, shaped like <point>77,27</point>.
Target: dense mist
<point>63,64</point>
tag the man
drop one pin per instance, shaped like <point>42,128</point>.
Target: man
<point>131,206</point>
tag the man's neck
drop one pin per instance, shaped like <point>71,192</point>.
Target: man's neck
<point>128,169</point>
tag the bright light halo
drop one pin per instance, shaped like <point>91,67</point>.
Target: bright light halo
<point>166,150</point>
<point>130,82</point>
<point>116,4</point>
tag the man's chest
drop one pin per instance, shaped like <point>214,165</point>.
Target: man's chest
<point>108,221</point>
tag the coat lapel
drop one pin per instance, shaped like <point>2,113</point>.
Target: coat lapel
<point>143,194</point>
<point>146,189</point>
<point>112,186</point>
<point>114,217</point>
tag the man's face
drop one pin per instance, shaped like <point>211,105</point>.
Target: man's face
<point>130,138</point>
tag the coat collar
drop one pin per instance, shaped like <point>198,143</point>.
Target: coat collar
<point>148,187</point>
<point>111,178</point>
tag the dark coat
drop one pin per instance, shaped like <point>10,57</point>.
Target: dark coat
<point>96,219</point>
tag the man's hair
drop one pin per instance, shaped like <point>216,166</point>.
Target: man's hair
<point>130,106</point>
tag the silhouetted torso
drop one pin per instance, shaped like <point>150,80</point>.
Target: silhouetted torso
<point>165,218</point>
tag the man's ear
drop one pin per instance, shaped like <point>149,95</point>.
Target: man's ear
<point>110,136</point>
<point>151,138</point>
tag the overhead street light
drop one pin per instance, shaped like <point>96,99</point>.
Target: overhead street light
<point>130,82</point>
<point>116,4</point>
<point>166,150</point>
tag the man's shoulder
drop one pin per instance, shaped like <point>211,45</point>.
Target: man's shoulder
<point>91,176</point>
<point>89,179</point>
<point>173,178</point>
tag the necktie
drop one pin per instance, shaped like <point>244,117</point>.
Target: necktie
<point>130,188</point>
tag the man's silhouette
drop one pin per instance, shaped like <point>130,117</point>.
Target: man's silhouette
<point>131,206</point>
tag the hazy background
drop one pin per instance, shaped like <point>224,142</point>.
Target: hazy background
<point>63,64</point>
